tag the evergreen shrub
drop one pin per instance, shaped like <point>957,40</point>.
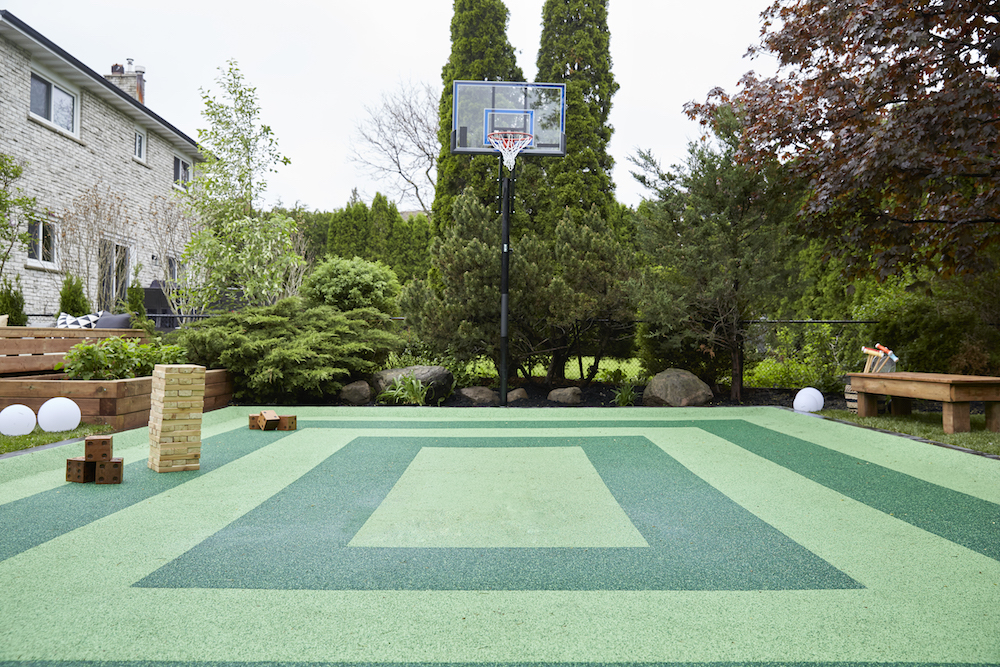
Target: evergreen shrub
<point>12,302</point>
<point>72,299</point>
<point>800,359</point>
<point>349,284</point>
<point>290,352</point>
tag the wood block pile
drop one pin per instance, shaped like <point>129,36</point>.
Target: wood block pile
<point>175,410</point>
<point>269,420</point>
<point>97,463</point>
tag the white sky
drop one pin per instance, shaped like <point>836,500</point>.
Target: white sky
<point>317,63</point>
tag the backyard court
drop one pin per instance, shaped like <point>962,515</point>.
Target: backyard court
<point>473,536</point>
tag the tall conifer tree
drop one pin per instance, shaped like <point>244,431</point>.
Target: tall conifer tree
<point>480,51</point>
<point>575,50</point>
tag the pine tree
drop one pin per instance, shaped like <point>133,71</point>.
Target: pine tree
<point>575,50</point>
<point>349,231</point>
<point>480,51</point>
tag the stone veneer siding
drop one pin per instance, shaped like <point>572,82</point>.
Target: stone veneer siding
<point>59,168</point>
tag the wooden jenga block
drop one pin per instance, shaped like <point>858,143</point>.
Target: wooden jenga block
<point>287,422</point>
<point>268,420</point>
<point>80,470</point>
<point>97,448</point>
<point>109,472</point>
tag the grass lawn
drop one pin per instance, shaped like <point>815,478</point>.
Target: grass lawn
<point>927,425</point>
<point>14,443</point>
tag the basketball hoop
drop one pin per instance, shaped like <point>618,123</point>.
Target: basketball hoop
<point>509,144</point>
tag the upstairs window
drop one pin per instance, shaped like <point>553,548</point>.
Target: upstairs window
<point>52,103</point>
<point>182,172</point>
<point>139,152</point>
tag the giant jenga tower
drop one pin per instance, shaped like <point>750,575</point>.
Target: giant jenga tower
<point>176,404</point>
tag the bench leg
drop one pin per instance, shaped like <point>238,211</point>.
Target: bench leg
<point>992,416</point>
<point>867,405</point>
<point>955,417</point>
<point>900,406</point>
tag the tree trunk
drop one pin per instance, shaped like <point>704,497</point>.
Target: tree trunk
<point>736,390</point>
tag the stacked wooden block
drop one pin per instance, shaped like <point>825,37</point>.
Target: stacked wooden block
<point>175,407</point>
<point>269,420</point>
<point>97,463</point>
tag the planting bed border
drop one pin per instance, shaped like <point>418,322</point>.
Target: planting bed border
<point>122,404</point>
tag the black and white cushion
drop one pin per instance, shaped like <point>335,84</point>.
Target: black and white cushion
<point>67,321</point>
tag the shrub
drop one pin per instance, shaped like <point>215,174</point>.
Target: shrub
<point>72,299</point>
<point>117,358</point>
<point>349,284</point>
<point>288,352</point>
<point>804,360</point>
<point>12,302</point>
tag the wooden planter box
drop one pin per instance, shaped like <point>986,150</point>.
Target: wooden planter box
<point>122,404</point>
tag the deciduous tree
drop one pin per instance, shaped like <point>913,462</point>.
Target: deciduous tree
<point>888,111</point>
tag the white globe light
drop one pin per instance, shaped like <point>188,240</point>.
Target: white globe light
<point>808,399</point>
<point>17,419</point>
<point>58,414</point>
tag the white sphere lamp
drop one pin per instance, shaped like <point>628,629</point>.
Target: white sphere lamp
<point>17,419</point>
<point>59,414</point>
<point>809,399</point>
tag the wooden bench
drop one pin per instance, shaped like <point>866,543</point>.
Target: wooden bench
<point>38,349</point>
<point>955,392</point>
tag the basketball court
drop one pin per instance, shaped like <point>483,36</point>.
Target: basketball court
<point>377,536</point>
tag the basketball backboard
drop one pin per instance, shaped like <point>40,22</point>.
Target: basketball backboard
<point>482,107</point>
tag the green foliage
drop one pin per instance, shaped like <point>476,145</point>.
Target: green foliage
<point>575,50</point>
<point>348,284</point>
<point>15,207</point>
<point>480,51</point>
<point>806,359</point>
<point>12,301</point>
<point>238,150</point>
<point>381,234</point>
<point>405,390</point>
<point>72,299</point>
<point>117,358</point>
<point>716,242</point>
<point>290,352</point>
<point>135,303</point>
<point>625,395</point>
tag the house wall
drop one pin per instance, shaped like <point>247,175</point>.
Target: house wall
<point>60,168</point>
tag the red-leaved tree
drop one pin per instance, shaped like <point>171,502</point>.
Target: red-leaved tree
<point>889,110</point>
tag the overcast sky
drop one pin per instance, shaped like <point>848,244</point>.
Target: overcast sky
<point>317,64</point>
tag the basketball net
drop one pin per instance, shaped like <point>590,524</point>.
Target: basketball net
<point>509,144</point>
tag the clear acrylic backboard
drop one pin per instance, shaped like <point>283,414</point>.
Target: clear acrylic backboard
<point>484,107</point>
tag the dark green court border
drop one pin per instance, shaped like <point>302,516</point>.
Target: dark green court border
<point>958,517</point>
<point>698,538</point>
<point>36,519</point>
<point>153,663</point>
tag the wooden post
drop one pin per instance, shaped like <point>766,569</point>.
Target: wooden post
<point>956,417</point>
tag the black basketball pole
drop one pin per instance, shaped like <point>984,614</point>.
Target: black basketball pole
<point>505,187</point>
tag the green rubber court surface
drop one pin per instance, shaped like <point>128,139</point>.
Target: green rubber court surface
<point>392,536</point>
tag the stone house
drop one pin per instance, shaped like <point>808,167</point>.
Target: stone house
<point>104,169</point>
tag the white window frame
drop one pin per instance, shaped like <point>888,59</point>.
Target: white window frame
<point>180,182</point>
<point>140,145</point>
<point>110,287</point>
<point>54,83</point>
<point>42,228</point>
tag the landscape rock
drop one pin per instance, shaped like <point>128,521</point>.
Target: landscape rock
<point>437,379</point>
<point>566,396</point>
<point>356,393</point>
<point>481,395</point>
<point>676,388</point>
<point>518,394</point>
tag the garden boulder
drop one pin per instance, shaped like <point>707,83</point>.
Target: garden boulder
<point>438,380</point>
<point>481,395</point>
<point>356,393</point>
<point>566,396</point>
<point>676,388</point>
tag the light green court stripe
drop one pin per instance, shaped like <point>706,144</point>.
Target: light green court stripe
<point>975,475</point>
<point>903,616</point>
<point>35,472</point>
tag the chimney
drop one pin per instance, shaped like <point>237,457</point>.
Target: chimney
<point>129,79</point>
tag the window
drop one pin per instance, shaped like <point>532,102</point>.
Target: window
<point>52,103</point>
<point>42,244</point>
<point>182,172</point>
<point>140,145</point>
<point>112,260</point>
